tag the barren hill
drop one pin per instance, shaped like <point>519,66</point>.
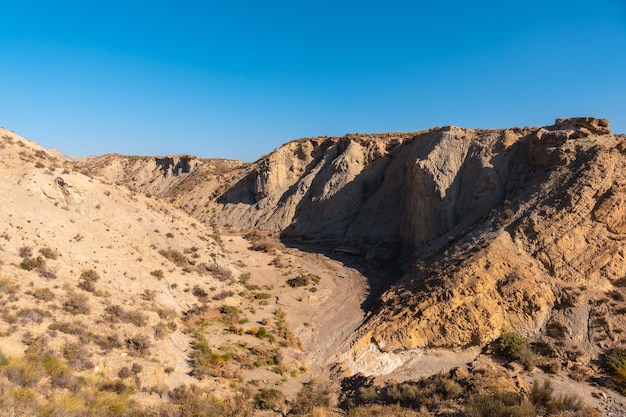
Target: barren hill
<point>495,228</point>
<point>393,255</point>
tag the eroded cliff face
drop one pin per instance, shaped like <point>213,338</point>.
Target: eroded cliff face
<point>396,194</point>
<point>497,229</point>
<point>552,252</point>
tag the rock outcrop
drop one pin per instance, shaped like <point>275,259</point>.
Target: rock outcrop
<point>396,193</point>
<point>546,145</point>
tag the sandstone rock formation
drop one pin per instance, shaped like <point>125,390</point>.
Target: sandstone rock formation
<point>495,228</point>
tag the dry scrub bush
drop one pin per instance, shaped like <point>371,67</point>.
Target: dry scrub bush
<point>88,280</point>
<point>223,295</point>
<point>8,286</point>
<point>76,303</point>
<point>158,274</point>
<point>541,395</point>
<point>262,246</point>
<point>385,411</point>
<point>135,317</point>
<point>193,402</point>
<point>270,399</point>
<point>49,253</point>
<point>200,293</point>
<point>38,264</point>
<point>34,315</point>
<point>77,356</point>
<point>75,328</point>
<point>25,252</point>
<point>175,257</point>
<point>501,404</point>
<point>314,394</point>
<point>43,294</point>
<point>138,345</point>
<point>299,281</point>
<point>219,273</point>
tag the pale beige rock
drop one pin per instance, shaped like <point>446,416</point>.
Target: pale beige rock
<point>495,228</point>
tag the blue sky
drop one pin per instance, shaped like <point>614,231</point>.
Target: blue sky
<point>236,79</point>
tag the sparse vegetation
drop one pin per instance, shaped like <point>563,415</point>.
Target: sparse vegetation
<point>114,342</point>
<point>49,253</point>
<point>43,294</point>
<point>500,404</point>
<point>175,257</point>
<point>135,317</point>
<point>88,280</point>
<point>514,347</point>
<point>158,274</point>
<point>270,399</point>
<point>76,303</point>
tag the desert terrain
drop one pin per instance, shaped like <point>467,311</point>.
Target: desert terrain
<point>446,272</point>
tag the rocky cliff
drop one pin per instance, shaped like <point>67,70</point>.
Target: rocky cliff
<point>509,228</point>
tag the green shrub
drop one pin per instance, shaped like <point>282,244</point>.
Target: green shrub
<point>510,344</point>
<point>229,309</point>
<point>55,367</point>
<point>514,347</point>
<point>615,360</point>
<point>261,333</point>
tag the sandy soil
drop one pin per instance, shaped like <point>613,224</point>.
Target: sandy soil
<point>323,319</point>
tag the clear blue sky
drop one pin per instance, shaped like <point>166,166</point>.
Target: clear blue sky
<point>237,79</point>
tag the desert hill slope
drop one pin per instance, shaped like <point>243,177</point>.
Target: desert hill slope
<point>57,224</point>
<point>116,303</point>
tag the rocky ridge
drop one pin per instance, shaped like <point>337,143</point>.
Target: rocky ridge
<point>496,229</point>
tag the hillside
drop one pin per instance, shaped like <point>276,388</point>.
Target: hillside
<point>372,260</point>
<point>114,302</point>
<point>537,210</point>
